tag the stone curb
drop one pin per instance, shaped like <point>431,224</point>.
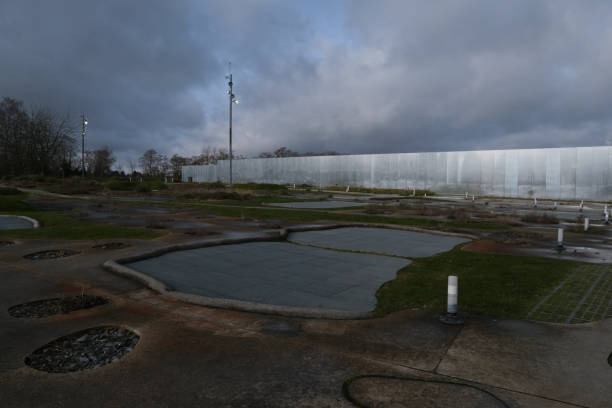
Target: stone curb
<point>118,268</point>
<point>35,223</point>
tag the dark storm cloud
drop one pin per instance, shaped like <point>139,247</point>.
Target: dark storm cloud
<point>357,77</point>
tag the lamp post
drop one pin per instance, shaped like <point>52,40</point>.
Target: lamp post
<point>84,119</point>
<point>232,100</point>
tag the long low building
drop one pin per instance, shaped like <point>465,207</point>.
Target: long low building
<point>563,173</point>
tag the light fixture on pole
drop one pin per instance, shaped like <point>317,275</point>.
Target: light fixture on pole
<point>232,100</point>
<point>85,122</point>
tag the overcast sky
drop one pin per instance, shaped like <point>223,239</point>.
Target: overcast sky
<point>351,76</point>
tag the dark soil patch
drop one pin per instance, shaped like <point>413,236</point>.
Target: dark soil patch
<point>50,307</point>
<point>200,233</point>
<point>516,237</point>
<point>6,243</point>
<point>111,245</point>
<point>83,350</point>
<point>50,254</point>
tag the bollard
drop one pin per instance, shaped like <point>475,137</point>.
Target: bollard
<point>555,205</point>
<point>294,186</point>
<point>560,238</point>
<point>413,191</point>
<point>472,198</point>
<point>581,205</point>
<point>348,188</point>
<point>586,224</point>
<point>535,202</point>
<point>425,195</point>
<point>451,316</point>
<point>606,217</point>
<point>605,209</point>
<point>466,195</point>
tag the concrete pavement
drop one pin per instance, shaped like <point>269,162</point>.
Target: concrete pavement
<point>197,356</point>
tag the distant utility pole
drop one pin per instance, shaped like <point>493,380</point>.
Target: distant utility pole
<point>232,100</point>
<point>84,119</point>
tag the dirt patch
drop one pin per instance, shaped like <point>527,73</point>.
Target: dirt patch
<point>50,254</point>
<point>487,246</point>
<point>83,350</point>
<point>111,245</point>
<point>6,243</point>
<point>50,307</point>
<point>517,238</point>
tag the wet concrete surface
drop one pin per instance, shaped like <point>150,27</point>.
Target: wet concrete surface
<point>379,240</point>
<point>318,204</point>
<point>276,273</point>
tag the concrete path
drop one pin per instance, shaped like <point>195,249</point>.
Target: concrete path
<point>11,222</point>
<point>276,273</point>
<point>318,204</point>
<point>379,240</point>
<point>196,356</point>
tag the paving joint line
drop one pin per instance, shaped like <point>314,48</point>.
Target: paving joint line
<point>536,307</point>
<point>577,308</point>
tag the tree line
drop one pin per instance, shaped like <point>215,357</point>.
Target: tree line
<point>38,141</point>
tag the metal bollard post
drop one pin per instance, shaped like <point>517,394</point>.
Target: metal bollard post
<point>535,202</point>
<point>586,224</point>
<point>560,238</point>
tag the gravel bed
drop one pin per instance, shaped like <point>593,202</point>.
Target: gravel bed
<point>111,245</point>
<point>91,348</point>
<point>50,254</point>
<point>50,307</point>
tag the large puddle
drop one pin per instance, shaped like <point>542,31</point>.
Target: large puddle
<point>12,222</point>
<point>379,240</point>
<point>286,274</point>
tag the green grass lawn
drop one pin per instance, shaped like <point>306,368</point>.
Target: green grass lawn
<point>63,225</point>
<point>489,284</point>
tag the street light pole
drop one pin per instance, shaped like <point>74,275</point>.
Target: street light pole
<point>232,100</point>
<point>84,120</point>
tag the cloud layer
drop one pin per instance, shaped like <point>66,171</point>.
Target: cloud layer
<point>356,77</point>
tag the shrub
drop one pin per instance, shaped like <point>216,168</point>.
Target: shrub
<point>119,185</point>
<point>143,188</point>
<point>9,191</point>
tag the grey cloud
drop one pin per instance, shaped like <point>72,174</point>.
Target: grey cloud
<point>403,76</point>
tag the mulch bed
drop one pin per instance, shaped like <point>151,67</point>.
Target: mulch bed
<point>111,245</point>
<point>83,350</point>
<point>50,307</point>
<point>51,254</point>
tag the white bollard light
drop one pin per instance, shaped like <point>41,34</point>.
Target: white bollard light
<point>413,191</point>
<point>425,195</point>
<point>453,292</point>
<point>348,188</point>
<point>555,205</point>
<point>535,202</point>
<point>560,237</point>
<point>472,198</point>
<point>466,195</point>
<point>451,316</point>
<point>294,186</point>
<point>581,205</point>
<point>605,208</point>
<point>606,216</point>
<point>586,224</point>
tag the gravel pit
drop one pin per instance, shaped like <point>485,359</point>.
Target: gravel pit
<point>83,350</point>
<point>111,245</point>
<point>50,307</point>
<point>50,254</point>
